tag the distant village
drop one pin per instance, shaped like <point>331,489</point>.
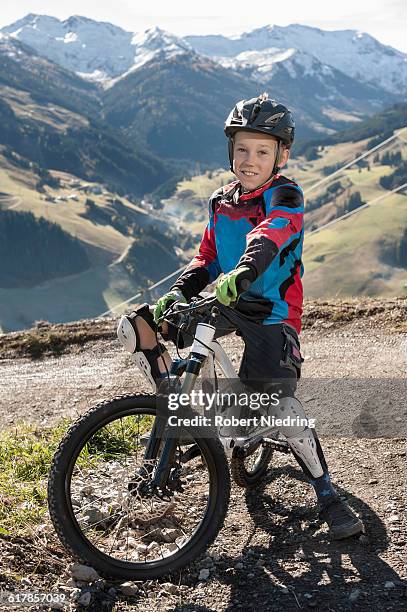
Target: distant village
<point>77,186</point>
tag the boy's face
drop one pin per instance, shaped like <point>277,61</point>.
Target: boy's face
<point>254,156</point>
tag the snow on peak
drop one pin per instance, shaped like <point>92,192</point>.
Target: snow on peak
<point>149,45</point>
<point>156,38</point>
<point>264,63</point>
<point>354,53</point>
<point>261,61</point>
<point>104,51</point>
<point>70,37</point>
<point>95,50</point>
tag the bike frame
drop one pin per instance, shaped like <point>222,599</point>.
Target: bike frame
<point>205,352</point>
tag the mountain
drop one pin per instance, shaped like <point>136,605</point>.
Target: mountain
<point>314,91</point>
<point>171,105</point>
<point>356,54</point>
<point>95,50</point>
<point>52,117</point>
<point>22,68</point>
<point>166,95</point>
<point>379,126</point>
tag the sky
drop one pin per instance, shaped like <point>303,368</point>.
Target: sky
<point>383,19</point>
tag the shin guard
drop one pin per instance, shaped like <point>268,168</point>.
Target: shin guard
<point>128,335</point>
<point>302,440</point>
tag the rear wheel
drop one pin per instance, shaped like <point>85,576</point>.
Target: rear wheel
<point>247,472</point>
<point>103,510</point>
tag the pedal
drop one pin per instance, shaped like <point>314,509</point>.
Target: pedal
<point>277,445</point>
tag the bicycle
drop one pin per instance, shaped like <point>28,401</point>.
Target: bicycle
<point>132,501</point>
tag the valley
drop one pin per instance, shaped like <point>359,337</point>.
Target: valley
<point>122,152</point>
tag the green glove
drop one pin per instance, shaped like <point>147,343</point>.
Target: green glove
<point>226,291</point>
<point>165,302</point>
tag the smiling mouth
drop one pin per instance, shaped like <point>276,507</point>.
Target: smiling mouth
<point>248,173</point>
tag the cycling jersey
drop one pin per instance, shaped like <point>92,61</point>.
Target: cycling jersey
<point>262,230</point>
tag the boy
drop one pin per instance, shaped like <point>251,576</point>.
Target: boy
<point>255,232</point>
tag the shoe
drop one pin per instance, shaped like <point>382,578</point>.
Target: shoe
<point>341,520</point>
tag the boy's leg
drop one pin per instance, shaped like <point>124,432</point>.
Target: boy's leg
<point>151,356</point>
<point>266,360</point>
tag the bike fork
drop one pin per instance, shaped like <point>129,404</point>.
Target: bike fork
<point>199,352</point>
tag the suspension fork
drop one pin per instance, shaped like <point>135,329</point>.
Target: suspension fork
<point>170,445</point>
<point>199,352</point>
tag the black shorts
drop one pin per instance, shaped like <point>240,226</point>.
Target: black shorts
<point>271,353</point>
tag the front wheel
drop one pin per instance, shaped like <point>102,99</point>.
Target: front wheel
<point>123,529</point>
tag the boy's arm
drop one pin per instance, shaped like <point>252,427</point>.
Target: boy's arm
<point>204,267</point>
<point>279,232</point>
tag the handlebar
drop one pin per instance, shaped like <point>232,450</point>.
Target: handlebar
<point>198,305</point>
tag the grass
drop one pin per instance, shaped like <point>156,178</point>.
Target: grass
<point>25,458</point>
<point>203,185</point>
<point>116,438</point>
<point>21,183</point>
<point>26,453</point>
<point>71,298</point>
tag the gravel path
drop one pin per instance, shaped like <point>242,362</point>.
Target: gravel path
<point>339,364</point>
<point>272,553</point>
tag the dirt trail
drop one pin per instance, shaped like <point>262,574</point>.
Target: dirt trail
<point>5,199</point>
<point>272,554</point>
<point>43,390</point>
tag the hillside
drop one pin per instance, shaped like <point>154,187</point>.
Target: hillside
<point>361,255</point>
<point>377,127</point>
<point>22,68</point>
<point>106,226</point>
<point>34,250</point>
<point>57,138</point>
<point>170,105</point>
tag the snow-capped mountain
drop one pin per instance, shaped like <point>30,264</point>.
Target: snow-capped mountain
<point>95,50</point>
<point>104,52</point>
<point>356,54</point>
<point>263,64</point>
<point>153,70</point>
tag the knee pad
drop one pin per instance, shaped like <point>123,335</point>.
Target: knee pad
<point>302,440</point>
<point>127,333</point>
